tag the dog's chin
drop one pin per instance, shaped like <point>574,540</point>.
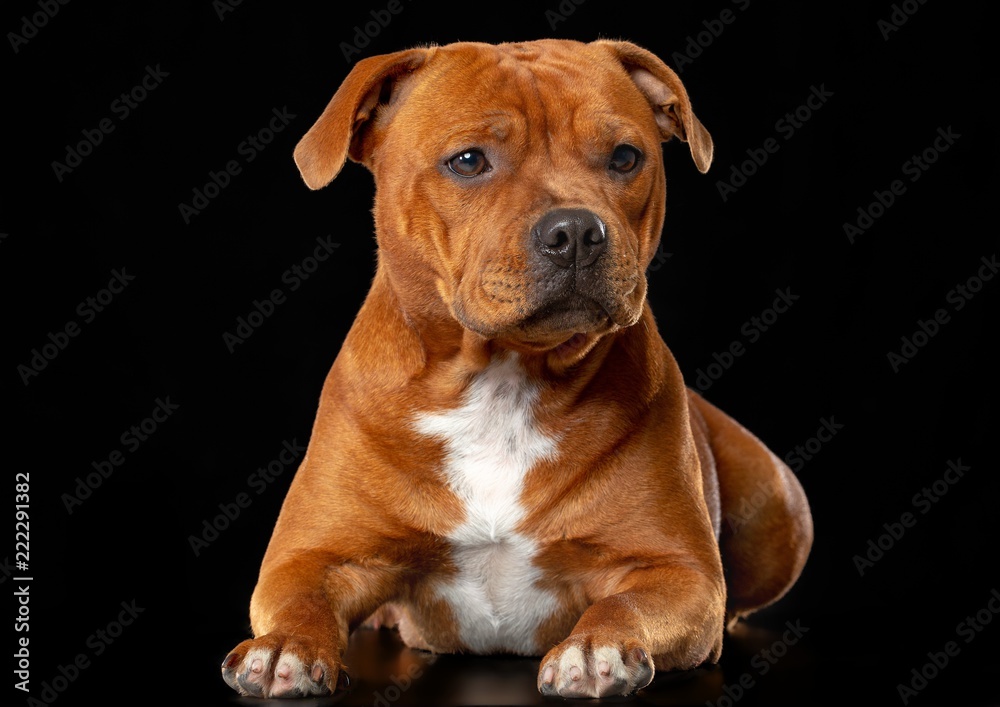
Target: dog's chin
<point>566,328</point>
<point>553,323</point>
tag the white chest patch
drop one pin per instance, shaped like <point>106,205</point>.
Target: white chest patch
<point>491,442</point>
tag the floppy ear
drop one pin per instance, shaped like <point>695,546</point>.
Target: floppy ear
<point>340,131</point>
<point>665,93</point>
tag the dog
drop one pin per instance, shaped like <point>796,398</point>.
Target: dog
<point>505,457</point>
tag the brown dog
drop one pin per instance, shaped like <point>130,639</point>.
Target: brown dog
<point>505,457</point>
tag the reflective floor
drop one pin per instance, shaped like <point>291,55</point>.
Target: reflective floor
<point>765,668</point>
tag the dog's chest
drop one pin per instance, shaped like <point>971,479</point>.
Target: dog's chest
<point>491,441</point>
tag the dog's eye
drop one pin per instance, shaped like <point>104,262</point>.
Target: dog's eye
<point>624,159</point>
<point>469,163</point>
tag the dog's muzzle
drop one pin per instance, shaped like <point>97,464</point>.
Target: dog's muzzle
<point>569,273</point>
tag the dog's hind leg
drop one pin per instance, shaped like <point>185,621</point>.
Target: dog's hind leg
<point>766,525</point>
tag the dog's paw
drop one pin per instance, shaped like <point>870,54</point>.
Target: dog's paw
<point>276,665</point>
<point>581,667</point>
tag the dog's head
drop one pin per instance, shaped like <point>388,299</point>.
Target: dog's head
<point>520,187</point>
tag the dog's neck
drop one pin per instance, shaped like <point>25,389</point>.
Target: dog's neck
<point>411,347</point>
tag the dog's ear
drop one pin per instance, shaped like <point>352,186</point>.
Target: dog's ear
<point>665,93</point>
<point>340,131</point>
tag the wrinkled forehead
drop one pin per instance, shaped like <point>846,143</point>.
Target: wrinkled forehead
<point>471,90</point>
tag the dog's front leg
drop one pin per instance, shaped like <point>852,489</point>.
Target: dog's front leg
<point>670,616</point>
<point>301,613</point>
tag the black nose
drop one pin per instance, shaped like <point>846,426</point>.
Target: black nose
<point>570,237</point>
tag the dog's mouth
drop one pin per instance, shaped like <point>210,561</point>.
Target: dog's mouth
<point>559,316</point>
<point>572,314</point>
<point>566,328</point>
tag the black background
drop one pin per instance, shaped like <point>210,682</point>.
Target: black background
<point>824,358</point>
